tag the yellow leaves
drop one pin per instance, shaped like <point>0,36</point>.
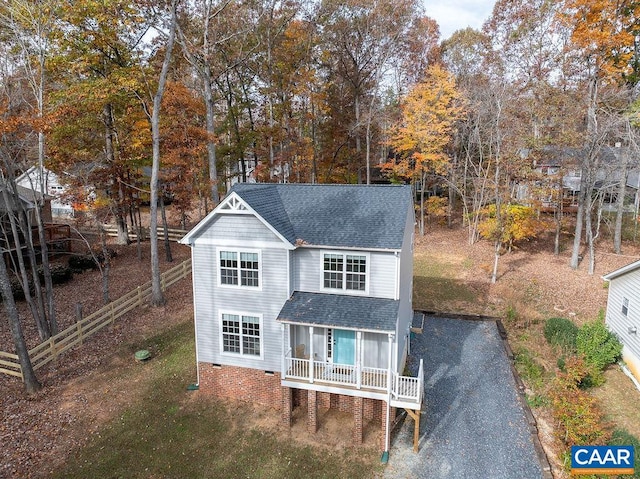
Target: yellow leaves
<point>428,114</point>
<point>515,223</point>
<point>604,29</point>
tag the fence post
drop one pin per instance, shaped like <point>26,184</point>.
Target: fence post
<point>52,348</point>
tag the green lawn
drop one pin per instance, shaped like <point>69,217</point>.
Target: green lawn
<point>436,287</point>
<point>171,432</point>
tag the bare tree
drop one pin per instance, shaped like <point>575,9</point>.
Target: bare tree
<point>31,382</point>
<point>157,297</point>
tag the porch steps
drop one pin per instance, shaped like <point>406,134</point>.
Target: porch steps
<point>417,324</point>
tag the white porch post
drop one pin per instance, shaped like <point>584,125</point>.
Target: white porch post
<point>387,433</point>
<point>311,365</point>
<point>358,359</point>
<point>285,350</point>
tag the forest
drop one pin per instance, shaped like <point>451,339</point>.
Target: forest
<point>528,124</point>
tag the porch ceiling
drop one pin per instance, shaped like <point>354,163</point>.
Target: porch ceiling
<point>341,311</point>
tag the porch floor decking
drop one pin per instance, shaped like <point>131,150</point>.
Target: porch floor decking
<point>406,392</point>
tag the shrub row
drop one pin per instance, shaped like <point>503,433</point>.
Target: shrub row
<point>60,274</point>
<point>80,263</point>
<point>593,342</point>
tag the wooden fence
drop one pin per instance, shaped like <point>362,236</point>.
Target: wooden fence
<point>76,334</point>
<point>173,233</point>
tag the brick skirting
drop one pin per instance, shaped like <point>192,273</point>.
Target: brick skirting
<point>232,382</point>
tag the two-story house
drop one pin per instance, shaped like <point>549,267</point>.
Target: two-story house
<point>303,297</point>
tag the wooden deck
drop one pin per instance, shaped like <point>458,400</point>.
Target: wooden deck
<point>406,391</point>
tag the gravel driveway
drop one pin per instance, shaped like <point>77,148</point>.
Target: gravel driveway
<point>473,424</point>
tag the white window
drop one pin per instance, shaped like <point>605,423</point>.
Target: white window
<point>239,268</point>
<point>344,271</point>
<point>625,306</point>
<point>241,334</point>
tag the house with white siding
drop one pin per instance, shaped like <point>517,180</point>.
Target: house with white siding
<point>623,312</point>
<point>36,178</point>
<point>303,298</point>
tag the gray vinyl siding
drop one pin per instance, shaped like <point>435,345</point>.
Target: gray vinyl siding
<point>375,350</point>
<point>210,299</point>
<point>625,286</point>
<point>307,273</point>
<point>405,313</point>
<point>237,227</point>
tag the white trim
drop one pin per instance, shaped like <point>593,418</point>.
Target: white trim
<point>397,288</point>
<point>241,314</point>
<point>249,243</point>
<point>195,318</point>
<point>326,326</point>
<point>350,248</point>
<point>363,393</point>
<point>624,270</point>
<point>344,290</point>
<point>238,251</point>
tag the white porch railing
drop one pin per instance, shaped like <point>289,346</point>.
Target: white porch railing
<point>408,388</point>
<point>403,388</point>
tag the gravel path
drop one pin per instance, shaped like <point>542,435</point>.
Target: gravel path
<point>473,423</point>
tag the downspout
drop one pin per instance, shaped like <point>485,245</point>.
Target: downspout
<point>387,434</point>
<point>196,386</point>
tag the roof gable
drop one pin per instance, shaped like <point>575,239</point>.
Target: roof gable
<point>232,204</point>
<point>622,271</point>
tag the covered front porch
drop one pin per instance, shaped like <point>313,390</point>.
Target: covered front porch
<point>346,345</point>
<point>372,382</point>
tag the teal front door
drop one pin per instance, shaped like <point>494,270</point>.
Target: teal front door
<point>344,351</point>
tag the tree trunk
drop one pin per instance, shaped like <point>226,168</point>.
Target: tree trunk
<point>46,271</point>
<point>622,189</point>
<point>211,131</point>
<point>165,231</point>
<point>31,382</point>
<point>577,237</point>
<point>105,266</point>
<point>121,222</point>
<point>19,222</point>
<point>157,297</point>
<point>496,257</point>
<point>424,176</point>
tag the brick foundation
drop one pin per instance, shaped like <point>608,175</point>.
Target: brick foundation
<point>251,385</point>
<point>232,382</point>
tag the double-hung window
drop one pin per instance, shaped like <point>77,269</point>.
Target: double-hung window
<point>625,306</point>
<point>241,334</point>
<point>239,268</point>
<point>344,271</point>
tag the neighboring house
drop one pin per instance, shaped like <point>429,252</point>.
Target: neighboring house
<point>302,297</point>
<point>24,201</point>
<point>555,168</point>
<point>27,199</point>
<point>623,312</point>
<point>32,178</point>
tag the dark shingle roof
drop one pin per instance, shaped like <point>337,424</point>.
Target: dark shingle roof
<point>340,311</point>
<point>359,216</point>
